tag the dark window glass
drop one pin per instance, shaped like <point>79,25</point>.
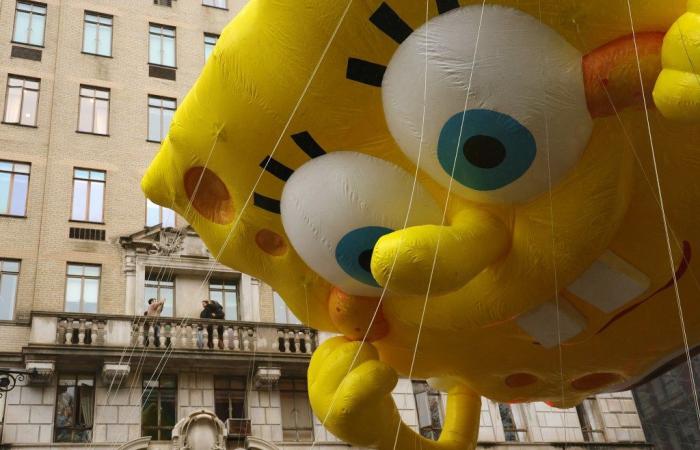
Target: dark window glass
<point>75,408</point>
<point>297,419</point>
<point>159,407</point>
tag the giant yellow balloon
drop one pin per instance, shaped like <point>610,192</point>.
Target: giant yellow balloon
<point>550,274</point>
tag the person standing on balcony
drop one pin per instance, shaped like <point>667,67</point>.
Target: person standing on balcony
<point>155,307</point>
<point>211,310</point>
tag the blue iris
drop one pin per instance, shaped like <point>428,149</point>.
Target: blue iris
<point>494,149</point>
<point>354,252</point>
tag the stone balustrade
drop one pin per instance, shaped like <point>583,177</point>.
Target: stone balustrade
<point>96,330</point>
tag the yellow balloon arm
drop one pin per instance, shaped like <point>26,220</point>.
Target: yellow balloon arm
<point>474,240</point>
<point>677,90</point>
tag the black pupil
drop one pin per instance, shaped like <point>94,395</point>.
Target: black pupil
<point>484,152</point>
<point>365,260</point>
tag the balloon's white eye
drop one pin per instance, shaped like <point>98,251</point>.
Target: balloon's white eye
<point>336,207</point>
<point>527,103</point>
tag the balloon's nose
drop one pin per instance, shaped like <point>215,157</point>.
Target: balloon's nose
<point>440,259</point>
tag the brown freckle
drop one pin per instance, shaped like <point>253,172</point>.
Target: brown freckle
<point>271,242</point>
<point>518,380</point>
<point>209,195</point>
<point>595,381</point>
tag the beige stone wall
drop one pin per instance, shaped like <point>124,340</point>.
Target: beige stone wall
<point>54,148</point>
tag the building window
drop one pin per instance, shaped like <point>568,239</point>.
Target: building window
<point>209,43</point>
<point>430,412</point>
<point>88,195</point>
<point>82,287</point>
<point>159,215</point>
<point>160,114</point>
<point>226,293</point>
<point>229,398</point>
<point>9,274</point>
<point>297,419</point>
<point>510,430</point>
<point>161,45</point>
<point>215,3</point>
<point>22,100</point>
<point>94,110</point>
<point>97,34</point>
<point>160,284</point>
<point>159,407</point>
<point>14,184</point>
<point>75,408</point>
<point>30,21</point>
<point>282,312</point>
<point>168,3</point>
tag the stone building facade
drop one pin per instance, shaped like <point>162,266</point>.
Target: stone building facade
<point>88,89</point>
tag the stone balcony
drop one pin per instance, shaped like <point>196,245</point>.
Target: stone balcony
<point>61,341</point>
<point>166,333</point>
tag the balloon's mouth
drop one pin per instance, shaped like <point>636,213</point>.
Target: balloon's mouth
<point>609,285</point>
<point>679,273</point>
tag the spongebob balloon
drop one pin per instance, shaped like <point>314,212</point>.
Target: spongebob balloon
<point>489,170</point>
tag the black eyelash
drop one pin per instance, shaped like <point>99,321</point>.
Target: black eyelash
<point>446,5</point>
<point>390,23</point>
<point>308,145</point>
<point>268,204</point>
<point>276,168</point>
<point>365,72</point>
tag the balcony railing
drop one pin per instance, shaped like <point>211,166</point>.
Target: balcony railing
<point>96,330</point>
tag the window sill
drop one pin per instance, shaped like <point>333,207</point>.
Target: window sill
<point>97,54</point>
<point>162,66</point>
<point>216,7</point>
<point>86,221</point>
<point>92,134</point>
<point>154,142</point>
<point>19,124</point>
<point>28,45</point>
<point>12,216</point>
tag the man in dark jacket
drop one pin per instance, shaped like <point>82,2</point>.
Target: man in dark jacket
<point>213,310</point>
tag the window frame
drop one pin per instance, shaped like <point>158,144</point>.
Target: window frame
<point>87,200</point>
<point>23,78</point>
<point>76,377</point>
<point>294,320</point>
<point>432,431</point>
<point>161,108</point>
<point>161,36</point>
<point>228,391</point>
<point>94,106</point>
<point>13,174</point>
<point>224,282</point>
<point>161,210</point>
<point>98,25</point>
<point>158,428</point>
<point>206,44</point>
<point>4,272</point>
<point>208,5</point>
<point>31,15</point>
<point>162,276</point>
<point>305,394</point>
<point>82,278</point>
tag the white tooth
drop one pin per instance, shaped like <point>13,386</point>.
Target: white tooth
<point>541,323</point>
<point>610,283</point>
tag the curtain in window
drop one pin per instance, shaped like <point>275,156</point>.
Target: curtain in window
<point>87,405</point>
